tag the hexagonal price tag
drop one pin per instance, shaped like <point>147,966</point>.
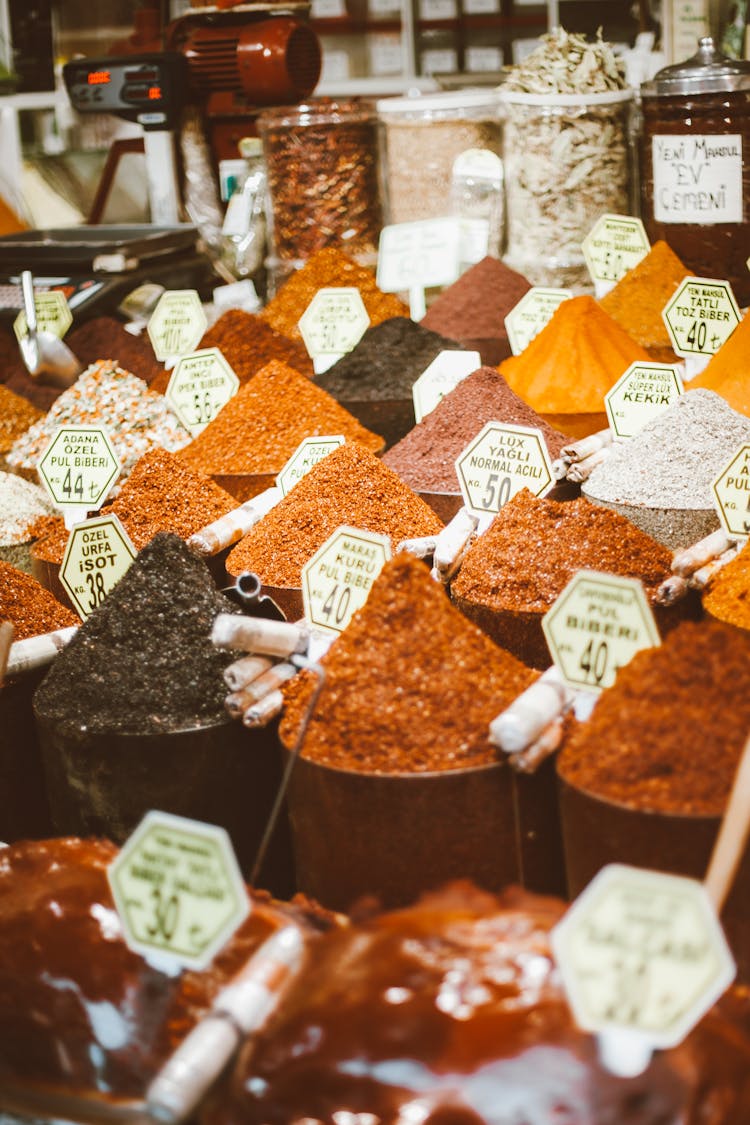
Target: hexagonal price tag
<point>440,377</point>
<point>332,324</point>
<point>613,246</point>
<point>79,466</point>
<point>177,323</point>
<point>178,889</point>
<point>701,316</point>
<point>97,554</point>
<point>305,457</point>
<point>641,952</point>
<point>200,384</point>
<point>640,394</point>
<point>596,626</point>
<point>731,491</point>
<point>498,463</point>
<point>535,310</point>
<point>52,315</point>
<point>337,580</point>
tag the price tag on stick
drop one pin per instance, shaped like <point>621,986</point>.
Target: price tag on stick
<point>613,246</point>
<point>440,377</point>
<point>97,554</point>
<point>415,256</point>
<point>532,313</point>
<point>731,491</point>
<point>305,457</point>
<point>337,580</point>
<point>200,384</point>
<point>52,315</point>
<point>498,463</point>
<point>177,323</point>
<point>640,394</point>
<point>178,889</point>
<point>596,626</point>
<point>332,325</point>
<point>700,317</point>
<point>78,469</point>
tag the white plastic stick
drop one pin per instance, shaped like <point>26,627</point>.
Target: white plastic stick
<point>240,701</point>
<point>38,652</point>
<point>245,670</point>
<point>526,718</point>
<point>257,635</point>
<point>579,450</point>
<point>732,839</point>
<point>6,640</point>
<point>582,470</point>
<point>452,544</point>
<point>700,578</point>
<point>262,712</point>
<point>530,759</point>
<point>420,548</point>
<point>690,559</point>
<point>229,529</point>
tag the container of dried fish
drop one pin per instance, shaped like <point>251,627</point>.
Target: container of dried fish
<point>568,155</point>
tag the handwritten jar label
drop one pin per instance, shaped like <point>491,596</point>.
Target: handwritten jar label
<point>697,177</point>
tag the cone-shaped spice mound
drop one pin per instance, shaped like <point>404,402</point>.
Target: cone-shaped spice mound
<point>28,606</point>
<point>569,367</point>
<point>411,685</point>
<point>259,429</point>
<point>328,268</point>
<point>728,372</point>
<point>349,486</point>
<point>667,736</point>
<point>143,662</point>
<point>728,596</point>
<point>638,298</point>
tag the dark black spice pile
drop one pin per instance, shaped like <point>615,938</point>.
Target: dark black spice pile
<point>143,663</point>
<point>386,362</point>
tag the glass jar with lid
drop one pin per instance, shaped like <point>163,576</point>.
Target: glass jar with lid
<point>695,182</point>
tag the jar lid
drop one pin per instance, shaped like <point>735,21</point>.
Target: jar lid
<point>317,111</point>
<point>453,101</point>
<point>708,71</point>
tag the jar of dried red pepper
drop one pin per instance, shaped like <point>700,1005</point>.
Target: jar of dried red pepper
<point>323,168</point>
<point>695,184</point>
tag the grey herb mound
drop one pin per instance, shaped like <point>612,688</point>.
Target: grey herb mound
<point>386,362</point>
<point>143,663</point>
<point>673,460</point>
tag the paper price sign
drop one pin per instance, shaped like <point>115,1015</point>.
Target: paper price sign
<point>419,254</point>
<point>701,316</point>
<point>97,555</point>
<point>441,377</point>
<point>52,315</point>
<point>642,951</point>
<point>614,245</point>
<point>498,463</point>
<point>532,313</point>
<point>596,626</point>
<point>731,491</point>
<point>200,384</point>
<point>79,466</point>
<point>305,457</point>
<point>178,889</point>
<point>640,394</point>
<point>332,324</point>
<point>337,580</point>
<point>177,323</point>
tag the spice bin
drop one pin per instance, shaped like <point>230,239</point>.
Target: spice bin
<point>568,161</point>
<point>695,189</point>
<point>323,179</point>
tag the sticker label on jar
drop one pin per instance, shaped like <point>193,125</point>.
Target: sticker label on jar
<point>596,626</point>
<point>697,177</point>
<point>52,315</point>
<point>439,61</point>
<point>327,9</point>
<point>441,377</point>
<point>498,463</point>
<point>481,59</point>
<point>386,53</point>
<point>731,491</point>
<point>438,9</point>
<point>199,386</point>
<point>423,253</point>
<point>532,313</point>
<point>332,324</point>
<point>638,396</point>
<point>79,467</point>
<point>178,889</point>
<point>615,245</point>
<point>480,8</point>
<point>337,580</point>
<point>305,457</point>
<point>701,316</point>
<point>97,555</point>
<point>177,323</point>
<point>642,951</point>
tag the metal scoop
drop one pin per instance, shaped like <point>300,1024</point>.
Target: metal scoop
<point>42,352</point>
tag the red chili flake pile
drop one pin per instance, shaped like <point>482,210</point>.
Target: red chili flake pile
<point>411,685</point>
<point>16,415</point>
<point>28,606</point>
<point>349,486</point>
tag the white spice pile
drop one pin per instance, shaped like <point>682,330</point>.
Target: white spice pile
<point>21,504</point>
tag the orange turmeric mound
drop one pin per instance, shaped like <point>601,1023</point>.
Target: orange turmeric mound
<point>728,372</point>
<point>638,298</point>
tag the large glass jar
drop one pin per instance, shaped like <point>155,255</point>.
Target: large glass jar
<point>696,164</point>
<point>568,160</point>
<point>323,178</point>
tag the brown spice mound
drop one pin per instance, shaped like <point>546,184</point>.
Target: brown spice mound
<point>28,606</point>
<point>161,494</point>
<point>426,457</point>
<point>668,735</point>
<point>349,486</point>
<point>534,547</point>
<point>728,595</point>
<point>259,429</point>
<point>328,267</point>
<point>16,415</point>
<point>638,298</point>
<point>411,685</point>
<point>247,343</point>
